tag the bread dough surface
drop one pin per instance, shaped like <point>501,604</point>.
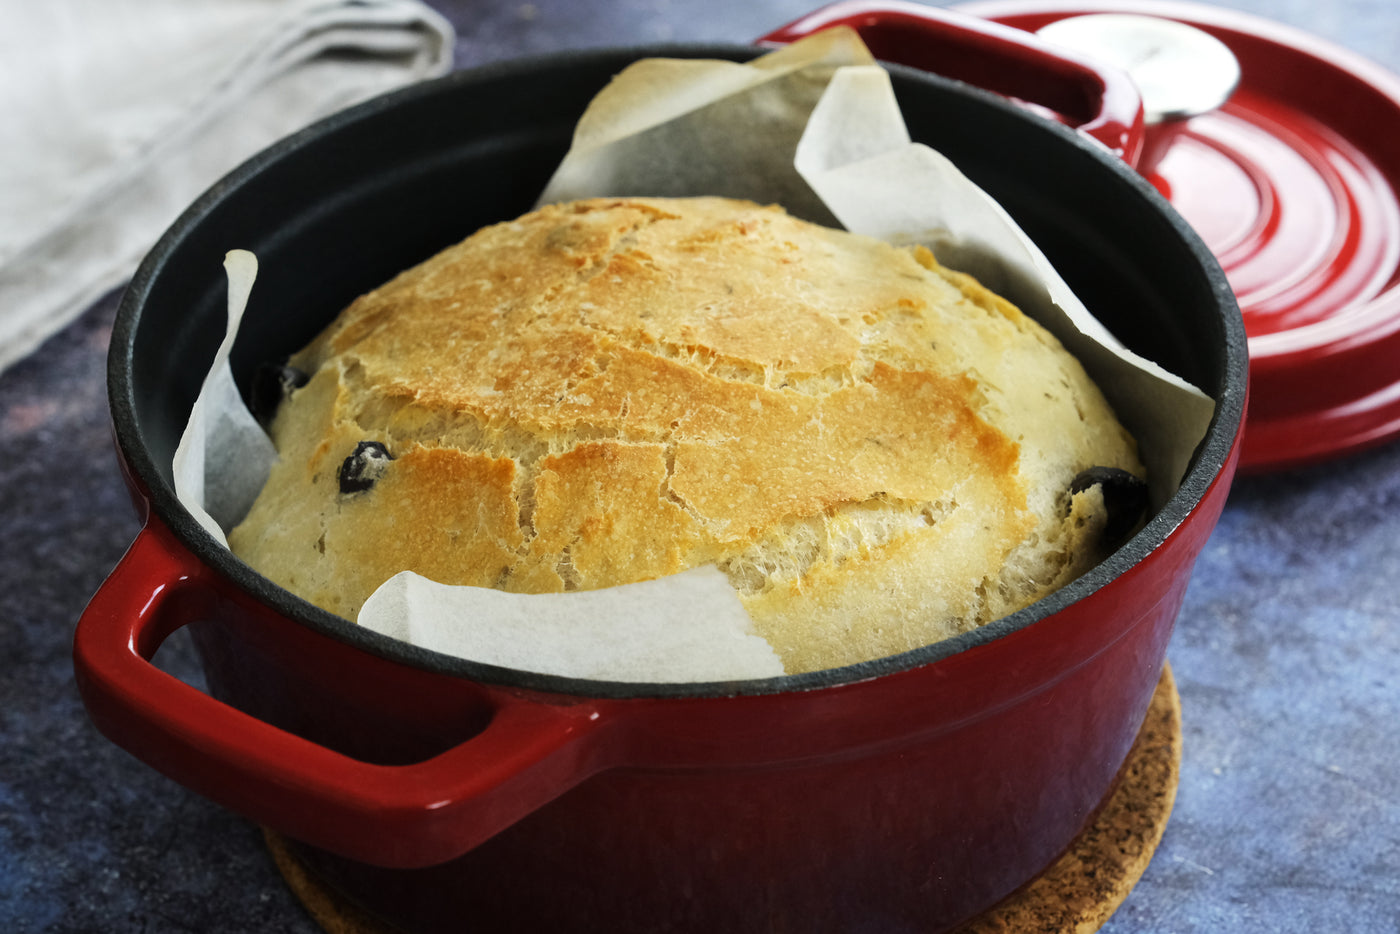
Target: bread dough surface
<point>875,449</point>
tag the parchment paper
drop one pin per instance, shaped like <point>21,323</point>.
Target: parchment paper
<point>814,127</point>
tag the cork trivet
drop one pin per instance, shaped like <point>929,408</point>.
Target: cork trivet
<point>331,910</point>
<point>1076,895</point>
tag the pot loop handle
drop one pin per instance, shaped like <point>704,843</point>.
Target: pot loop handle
<point>400,816</point>
<point>1098,100</point>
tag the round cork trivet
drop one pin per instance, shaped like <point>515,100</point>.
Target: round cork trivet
<point>331,910</point>
<point>1076,895</point>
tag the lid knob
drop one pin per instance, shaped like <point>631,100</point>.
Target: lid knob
<point>1180,71</point>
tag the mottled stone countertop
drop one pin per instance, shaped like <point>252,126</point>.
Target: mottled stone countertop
<point>1287,653</point>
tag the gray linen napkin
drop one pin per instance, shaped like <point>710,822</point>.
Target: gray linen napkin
<point>116,114</point>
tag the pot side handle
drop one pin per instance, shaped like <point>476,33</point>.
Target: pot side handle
<point>401,816</point>
<point>1098,100</point>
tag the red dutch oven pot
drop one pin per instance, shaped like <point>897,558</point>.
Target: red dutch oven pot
<point>902,794</point>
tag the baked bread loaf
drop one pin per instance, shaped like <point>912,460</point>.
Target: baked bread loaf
<point>876,450</point>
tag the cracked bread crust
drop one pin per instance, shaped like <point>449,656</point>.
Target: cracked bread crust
<point>875,449</point>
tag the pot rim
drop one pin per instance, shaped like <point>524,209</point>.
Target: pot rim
<point>1209,460</point>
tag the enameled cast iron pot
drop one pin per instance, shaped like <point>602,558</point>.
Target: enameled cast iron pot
<point>904,794</point>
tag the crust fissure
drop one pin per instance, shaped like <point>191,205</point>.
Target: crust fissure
<point>794,548</point>
<point>564,567</point>
<point>526,475</point>
<point>668,492</point>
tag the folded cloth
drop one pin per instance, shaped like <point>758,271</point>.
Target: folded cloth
<point>116,114</point>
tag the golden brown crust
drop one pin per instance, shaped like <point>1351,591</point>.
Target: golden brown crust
<point>618,389</point>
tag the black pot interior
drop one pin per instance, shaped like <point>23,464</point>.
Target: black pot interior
<point>345,205</point>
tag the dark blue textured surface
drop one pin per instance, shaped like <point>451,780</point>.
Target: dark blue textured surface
<point>1287,657</point>
<point>1287,653</point>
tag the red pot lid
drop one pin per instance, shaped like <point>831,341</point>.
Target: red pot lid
<point>1293,184</point>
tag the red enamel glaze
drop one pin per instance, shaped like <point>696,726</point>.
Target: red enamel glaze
<point>1293,186</point>
<point>1099,100</point>
<point>460,767</point>
<point>519,754</point>
<point>952,758</point>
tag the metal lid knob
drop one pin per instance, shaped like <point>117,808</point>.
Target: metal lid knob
<point>1181,71</point>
